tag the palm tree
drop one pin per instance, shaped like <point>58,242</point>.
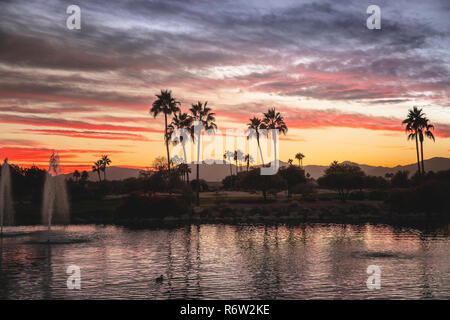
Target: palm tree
<point>180,121</point>
<point>168,105</point>
<point>274,121</point>
<point>412,122</point>
<point>97,167</point>
<point>255,124</point>
<point>203,115</point>
<point>290,161</point>
<point>76,175</point>
<point>228,155</point>
<point>84,175</point>
<point>184,171</point>
<point>249,159</point>
<point>106,161</point>
<point>238,156</point>
<point>424,130</point>
<point>299,156</point>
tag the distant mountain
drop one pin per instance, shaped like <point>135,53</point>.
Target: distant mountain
<point>216,172</point>
<point>433,164</point>
<point>113,173</point>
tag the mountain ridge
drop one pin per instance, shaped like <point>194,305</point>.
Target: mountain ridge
<point>216,172</point>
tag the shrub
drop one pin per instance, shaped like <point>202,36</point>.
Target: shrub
<point>142,206</point>
<point>377,195</point>
<point>356,195</point>
<point>430,196</point>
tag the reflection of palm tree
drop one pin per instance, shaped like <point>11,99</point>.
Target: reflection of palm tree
<point>97,167</point>
<point>299,156</point>
<point>274,121</point>
<point>180,121</point>
<point>106,161</point>
<point>412,127</point>
<point>203,115</point>
<point>424,130</point>
<point>255,124</point>
<point>165,104</point>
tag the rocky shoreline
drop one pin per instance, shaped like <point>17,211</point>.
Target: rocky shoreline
<point>350,213</point>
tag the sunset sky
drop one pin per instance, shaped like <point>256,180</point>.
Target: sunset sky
<point>342,88</point>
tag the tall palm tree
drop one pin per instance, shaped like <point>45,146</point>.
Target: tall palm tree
<point>106,161</point>
<point>248,159</point>
<point>412,123</point>
<point>166,104</point>
<point>274,121</point>
<point>299,156</point>
<point>202,114</point>
<point>180,121</point>
<point>97,167</point>
<point>424,131</point>
<point>255,124</point>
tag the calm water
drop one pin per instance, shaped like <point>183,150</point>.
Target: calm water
<point>307,261</point>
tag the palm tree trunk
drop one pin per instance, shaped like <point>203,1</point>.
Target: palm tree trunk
<point>417,151</point>
<point>421,151</point>
<point>198,169</point>
<point>198,185</point>
<point>299,163</point>
<point>167,142</point>
<point>275,150</point>
<point>260,151</point>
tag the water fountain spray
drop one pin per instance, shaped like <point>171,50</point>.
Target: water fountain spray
<point>55,205</point>
<point>6,203</point>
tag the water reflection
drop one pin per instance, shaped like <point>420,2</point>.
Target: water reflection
<point>306,261</point>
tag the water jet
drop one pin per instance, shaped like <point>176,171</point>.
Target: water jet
<point>6,203</point>
<point>55,204</point>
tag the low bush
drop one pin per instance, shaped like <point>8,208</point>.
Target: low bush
<point>356,195</point>
<point>142,206</point>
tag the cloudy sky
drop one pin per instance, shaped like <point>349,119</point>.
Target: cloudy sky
<point>342,88</point>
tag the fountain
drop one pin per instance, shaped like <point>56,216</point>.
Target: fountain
<point>6,204</point>
<point>55,205</point>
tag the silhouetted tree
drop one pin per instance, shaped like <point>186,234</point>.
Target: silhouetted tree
<point>424,130</point>
<point>400,179</point>
<point>167,105</point>
<point>255,124</point>
<point>97,167</point>
<point>412,123</point>
<point>203,115</point>
<point>274,120</point>
<point>299,156</point>
<point>343,178</point>
<point>106,161</point>
<point>292,175</point>
<point>76,175</point>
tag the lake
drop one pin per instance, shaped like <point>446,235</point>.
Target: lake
<point>303,261</point>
